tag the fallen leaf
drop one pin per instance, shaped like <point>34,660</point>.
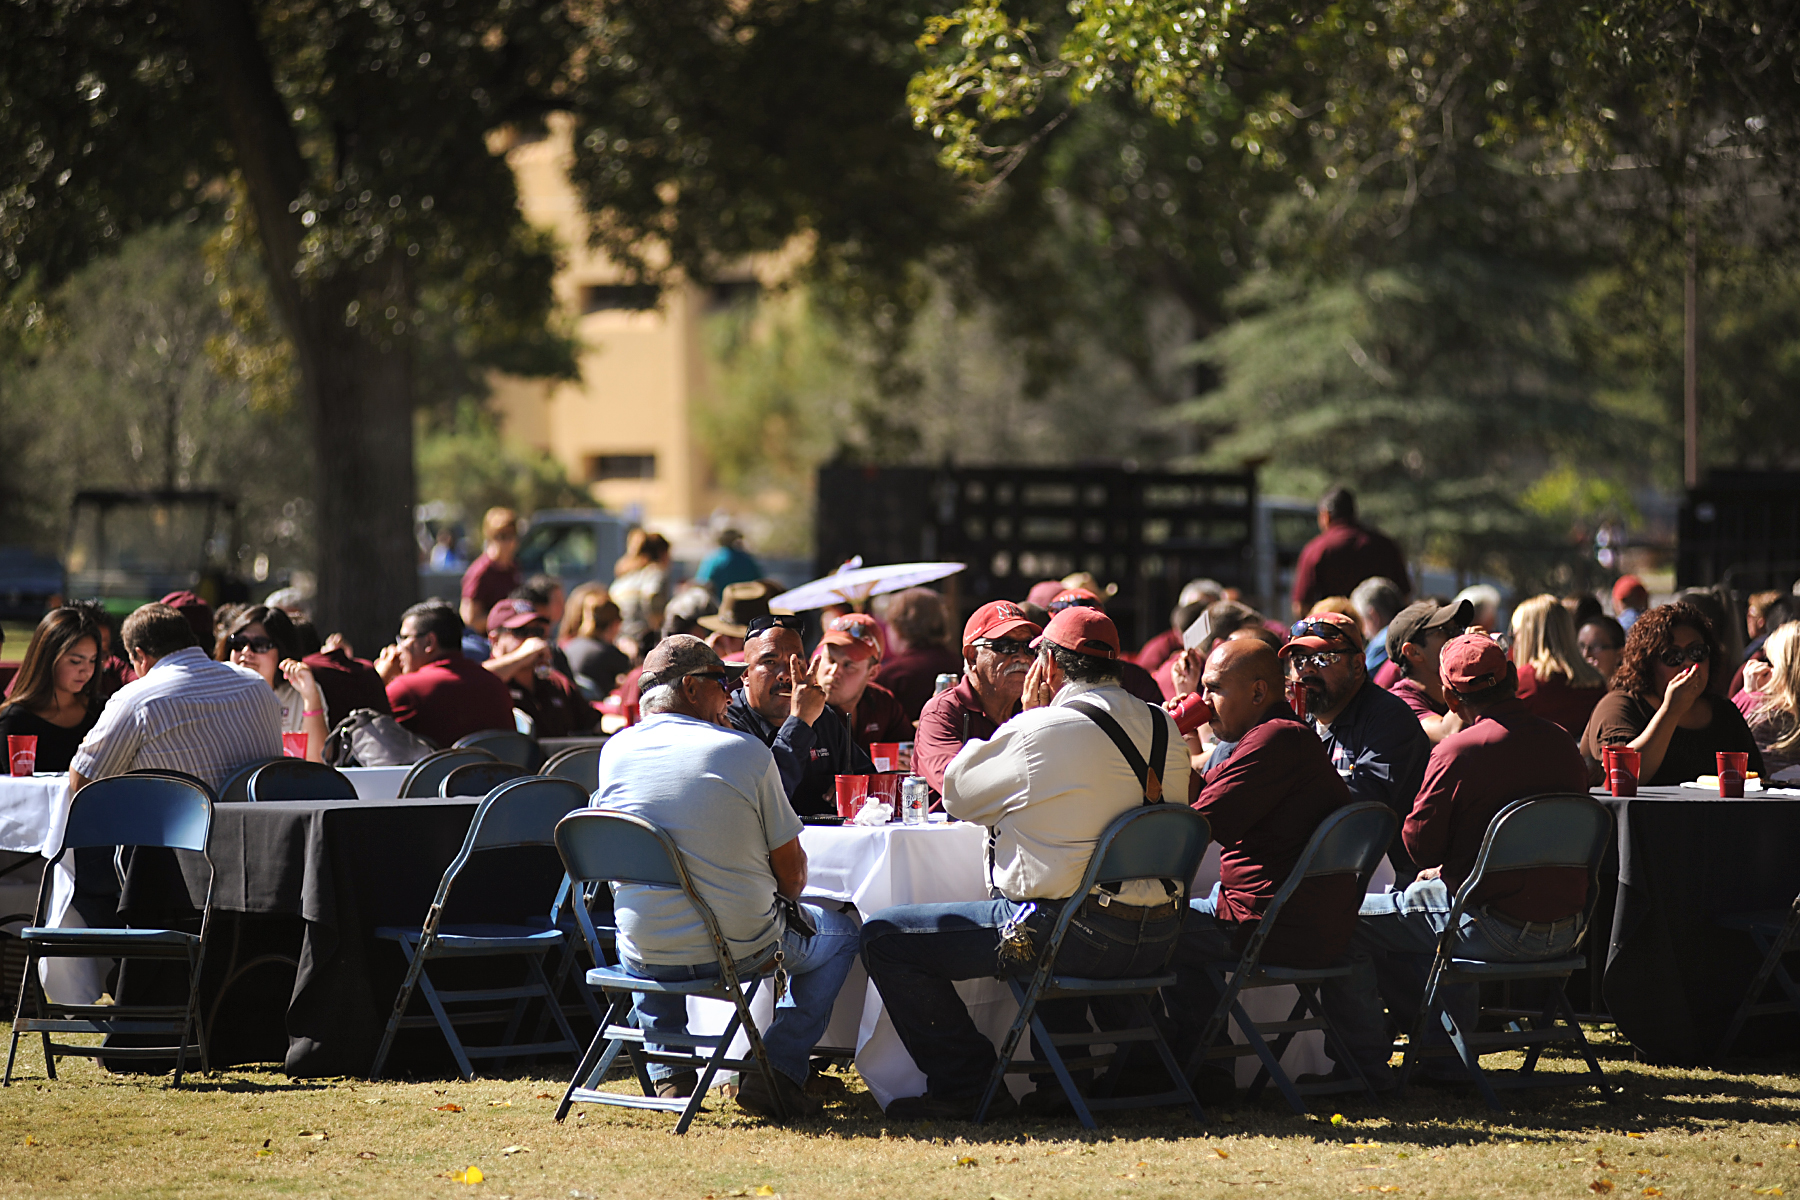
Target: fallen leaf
<point>468,1175</point>
<point>1768,1191</point>
<point>1634,1135</point>
<point>515,1150</point>
<point>1337,1119</point>
<point>967,1160</point>
<point>1643,1171</point>
<point>1790,1145</point>
<point>264,1153</point>
<point>1220,1153</point>
<point>366,1154</point>
<point>545,1096</point>
<point>1129,1175</point>
<point>1603,1164</point>
<point>377,1100</point>
<point>499,1103</point>
<point>448,1108</point>
<point>311,1136</point>
<point>1652,1191</point>
<point>1601,1185</point>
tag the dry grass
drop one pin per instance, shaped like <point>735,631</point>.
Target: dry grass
<point>1672,1133</point>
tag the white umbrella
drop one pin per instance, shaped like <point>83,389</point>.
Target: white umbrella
<point>854,583</point>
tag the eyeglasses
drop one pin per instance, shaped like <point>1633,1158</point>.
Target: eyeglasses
<point>1319,629</point>
<point>256,645</point>
<point>1317,660</point>
<point>1675,656</point>
<point>1004,647</point>
<point>718,677</point>
<point>761,625</point>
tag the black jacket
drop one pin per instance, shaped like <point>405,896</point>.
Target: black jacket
<point>809,757</point>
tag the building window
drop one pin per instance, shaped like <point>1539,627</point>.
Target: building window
<point>604,467</point>
<point>619,297</point>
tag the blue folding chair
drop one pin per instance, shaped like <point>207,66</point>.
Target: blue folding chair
<point>1558,830</point>
<point>298,779</point>
<point>1774,932</point>
<point>600,846</point>
<point>507,745</point>
<point>520,812</point>
<point>1348,844</point>
<point>579,763</point>
<point>429,772</point>
<point>125,810</point>
<point>479,778</point>
<point>236,789</point>
<point>1152,841</point>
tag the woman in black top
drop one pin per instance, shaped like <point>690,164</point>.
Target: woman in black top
<point>55,695</point>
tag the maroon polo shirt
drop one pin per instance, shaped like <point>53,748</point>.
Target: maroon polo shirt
<point>949,720</point>
<point>1556,699</point>
<point>1506,755</point>
<point>450,698</point>
<point>1263,803</point>
<point>913,672</point>
<point>487,583</point>
<point>347,683</point>
<point>878,718</point>
<point>1418,699</point>
<point>1333,563</point>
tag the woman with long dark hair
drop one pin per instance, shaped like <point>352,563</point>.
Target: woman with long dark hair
<point>264,640</point>
<point>1659,704</point>
<point>55,696</point>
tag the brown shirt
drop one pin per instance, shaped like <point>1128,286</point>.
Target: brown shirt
<point>1621,716</point>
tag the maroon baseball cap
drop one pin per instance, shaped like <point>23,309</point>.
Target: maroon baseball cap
<point>998,619</point>
<point>1042,593</point>
<point>1083,630</point>
<point>856,632</point>
<point>1472,663</point>
<point>1324,631</point>
<point>513,614</point>
<point>197,612</point>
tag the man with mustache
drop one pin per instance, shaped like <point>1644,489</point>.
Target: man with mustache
<point>997,655</point>
<point>783,706</point>
<point>1375,743</point>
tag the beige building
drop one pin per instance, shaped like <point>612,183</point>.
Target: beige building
<point>625,428</point>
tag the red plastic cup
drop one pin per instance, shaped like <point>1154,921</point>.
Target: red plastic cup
<point>294,744</point>
<point>886,756</point>
<point>1190,712</point>
<point>1622,764</point>
<point>1734,768</point>
<point>852,794</point>
<point>1296,697</point>
<point>21,752</point>
<point>885,787</point>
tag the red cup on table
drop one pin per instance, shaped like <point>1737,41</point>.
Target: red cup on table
<point>21,752</point>
<point>886,756</point>
<point>1622,763</point>
<point>1734,768</point>
<point>293,745</point>
<point>885,788</point>
<point>852,794</point>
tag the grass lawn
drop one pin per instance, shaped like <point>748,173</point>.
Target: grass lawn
<point>254,1132</point>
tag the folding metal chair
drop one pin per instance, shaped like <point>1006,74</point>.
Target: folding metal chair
<point>1774,932</point>
<point>1153,841</point>
<point>1560,830</point>
<point>236,789</point>
<point>507,745</point>
<point>1350,842</point>
<point>579,763</point>
<point>520,812</point>
<point>480,778</point>
<point>429,772</point>
<point>125,810</point>
<point>298,779</point>
<point>600,846</point>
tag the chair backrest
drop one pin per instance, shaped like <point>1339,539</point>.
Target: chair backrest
<point>237,785</point>
<point>507,745</point>
<point>1152,841</point>
<point>298,779</point>
<point>1552,830</point>
<point>479,778</point>
<point>1349,841</point>
<point>578,763</point>
<point>429,772</point>
<point>172,773</point>
<point>140,810</point>
<point>524,812</point>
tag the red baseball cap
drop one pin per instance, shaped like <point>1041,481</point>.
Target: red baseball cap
<point>1324,631</point>
<point>1623,586</point>
<point>1042,593</point>
<point>998,619</point>
<point>856,632</point>
<point>513,614</point>
<point>1083,630</point>
<point>1471,663</point>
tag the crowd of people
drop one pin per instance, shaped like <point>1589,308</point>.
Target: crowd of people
<point>1037,723</point>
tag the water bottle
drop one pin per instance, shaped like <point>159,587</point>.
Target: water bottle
<point>944,684</point>
<point>915,801</point>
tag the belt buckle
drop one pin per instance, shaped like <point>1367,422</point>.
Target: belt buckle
<point>1105,899</point>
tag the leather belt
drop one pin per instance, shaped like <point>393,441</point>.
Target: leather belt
<point>1489,913</point>
<point>1120,911</point>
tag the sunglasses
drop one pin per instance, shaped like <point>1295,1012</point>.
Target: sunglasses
<point>718,677</point>
<point>257,645</point>
<point>1675,656</point>
<point>1317,660</point>
<point>761,625</point>
<point>1005,647</point>
<point>1319,629</point>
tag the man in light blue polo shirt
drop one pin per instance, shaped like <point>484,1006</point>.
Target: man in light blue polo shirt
<point>715,791</point>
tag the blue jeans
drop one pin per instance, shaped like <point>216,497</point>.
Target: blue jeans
<point>915,953</point>
<point>1390,958</point>
<point>816,966</point>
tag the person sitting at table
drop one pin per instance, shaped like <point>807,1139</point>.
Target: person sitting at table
<point>997,656</point>
<point>741,604</point>
<point>55,696</point>
<point>262,639</point>
<point>916,654</point>
<point>1555,681</point>
<point>1602,643</point>
<point>717,793</point>
<point>1132,677</point>
<point>433,689</point>
<point>1659,704</point>
<point>519,634</point>
<point>783,705</point>
<point>1414,639</point>
<point>1501,753</point>
<point>851,650</point>
<point>1775,717</point>
<point>348,682</point>
<point>1046,784</point>
<point>590,636</point>
<point>198,612</point>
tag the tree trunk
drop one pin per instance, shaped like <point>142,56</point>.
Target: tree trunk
<point>356,383</point>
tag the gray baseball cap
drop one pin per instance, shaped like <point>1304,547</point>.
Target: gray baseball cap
<point>675,657</point>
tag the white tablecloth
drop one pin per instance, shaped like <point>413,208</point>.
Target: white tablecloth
<point>29,805</point>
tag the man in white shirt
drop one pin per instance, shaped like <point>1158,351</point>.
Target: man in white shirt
<point>1046,785</point>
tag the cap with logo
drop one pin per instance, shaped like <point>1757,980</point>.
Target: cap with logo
<point>857,633</point>
<point>514,614</point>
<point>1417,618</point>
<point>1472,663</point>
<point>1083,630</point>
<point>1324,631</point>
<point>997,619</point>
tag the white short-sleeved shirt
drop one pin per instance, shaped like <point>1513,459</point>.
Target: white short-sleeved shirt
<point>717,793</point>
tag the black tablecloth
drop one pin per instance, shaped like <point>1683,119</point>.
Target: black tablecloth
<point>312,880</point>
<point>1673,976</point>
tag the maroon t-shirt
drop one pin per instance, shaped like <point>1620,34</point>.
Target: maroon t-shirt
<point>1263,803</point>
<point>949,720</point>
<point>1333,563</point>
<point>1139,682</point>
<point>1556,699</point>
<point>1418,699</point>
<point>879,718</point>
<point>913,672</point>
<point>487,583</point>
<point>1506,755</point>
<point>348,683</point>
<point>450,698</point>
